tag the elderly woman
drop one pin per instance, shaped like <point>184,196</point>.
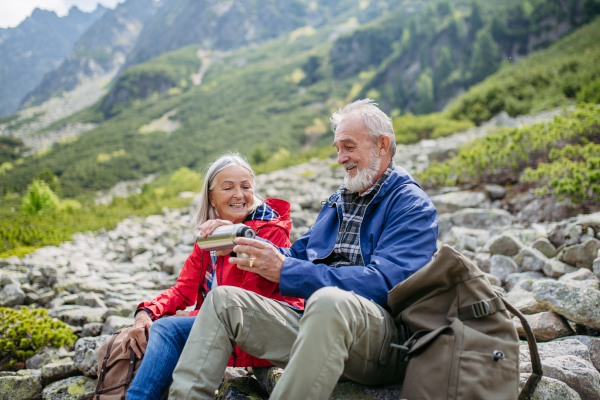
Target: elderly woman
<point>227,196</point>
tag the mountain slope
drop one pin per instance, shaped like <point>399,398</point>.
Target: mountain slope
<point>102,49</point>
<point>35,47</point>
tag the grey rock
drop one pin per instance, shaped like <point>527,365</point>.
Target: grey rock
<point>546,326</point>
<point>46,297</point>
<point>501,266</point>
<point>493,279</point>
<point>524,301</point>
<point>475,219</point>
<point>596,268</point>
<point>593,345</point>
<point>20,386</point>
<point>576,372</point>
<point>31,298</point>
<point>530,259</point>
<point>505,244</point>
<point>483,261</point>
<point>545,247</point>
<point>550,389</point>
<point>267,377</point>
<point>556,269</point>
<point>11,295</point>
<point>85,354</point>
<point>581,274</point>
<point>45,356</point>
<point>495,192</point>
<point>135,246</point>
<point>466,238</point>
<point>451,202</point>
<point>175,262</point>
<point>75,388</point>
<point>90,299</point>
<point>78,315</point>
<point>356,391</point>
<point>577,304</point>
<point>114,323</point>
<point>580,255</point>
<point>241,389</point>
<point>55,371</point>
<point>233,373</point>
<point>523,280</point>
<point>92,329</point>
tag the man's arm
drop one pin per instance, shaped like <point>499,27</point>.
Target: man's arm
<point>406,244</point>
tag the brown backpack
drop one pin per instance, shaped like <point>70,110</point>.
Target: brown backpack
<point>116,369</point>
<point>460,342</point>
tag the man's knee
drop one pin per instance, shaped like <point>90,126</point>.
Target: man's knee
<point>331,300</point>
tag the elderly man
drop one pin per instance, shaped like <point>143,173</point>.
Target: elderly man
<point>374,232</point>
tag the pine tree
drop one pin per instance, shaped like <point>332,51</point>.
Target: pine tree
<point>485,58</point>
<point>425,92</point>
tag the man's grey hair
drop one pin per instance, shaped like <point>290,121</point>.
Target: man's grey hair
<point>205,210</point>
<point>376,121</point>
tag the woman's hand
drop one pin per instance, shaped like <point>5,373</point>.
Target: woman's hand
<point>209,226</point>
<point>182,313</point>
<point>136,337</point>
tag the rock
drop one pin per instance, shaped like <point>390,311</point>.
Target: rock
<point>11,295</point>
<point>76,388</point>
<point>135,246</point>
<point>122,311</point>
<point>90,299</point>
<point>483,261</point>
<point>64,368</point>
<point>556,269</point>
<point>576,372</point>
<point>267,377</point>
<point>174,262</point>
<point>78,315</point>
<point>241,389</point>
<point>451,202</point>
<point>524,301</point>
<point>31,298</point>
<point>85,354</point>
<point>46,356</point>
<point>475,219</point>
<point>580,255</point>
<point>493,279</point>
<point>233,373</point>
<point>46,297</point>
<point>530,259</point>
<point>505,244</point>
<point>466,238</point>
<point>577,304</point>
<point>356,391</point>
<point>523,280</point>
<point>546,326</point>
<point>545,247</point>
<point>502,266</point>
<point>593,345</point>
<point>495,192</point>
<point>581,274</point>
<point>92,329</point>
<point>550,389</point>
<point>21,386</point>
<point>596,268</point>
<point>114,323</point>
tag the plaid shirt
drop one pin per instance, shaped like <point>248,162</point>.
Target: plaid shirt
<point>347,246</point>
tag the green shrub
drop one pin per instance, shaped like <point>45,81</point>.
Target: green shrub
<point>39,199</point>
<point>561,157</point>
<point>25,332</point>
<point>410,128</point>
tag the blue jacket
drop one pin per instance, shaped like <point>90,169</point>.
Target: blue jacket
<point>398,236</point>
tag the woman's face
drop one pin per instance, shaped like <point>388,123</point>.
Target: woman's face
<point>233,193</point>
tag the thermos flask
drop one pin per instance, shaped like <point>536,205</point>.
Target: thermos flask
<point>223,237</point>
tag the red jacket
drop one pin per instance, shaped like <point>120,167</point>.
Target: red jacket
<point>185,291</point>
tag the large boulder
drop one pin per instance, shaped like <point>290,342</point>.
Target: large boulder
<point>505,244</point>
<point>577,304</point>
<point>12,295</point>
<point>23,385</point>
<point>75,388</point>
<point>546,326</point>
<point>580,255</point>
<point>550,389</point>
<point>85,358</point>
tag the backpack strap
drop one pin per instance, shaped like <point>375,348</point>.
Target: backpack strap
<point>481,308</point>
<point>536,363</point>
<point>132,359</point>
<point>103,371</point>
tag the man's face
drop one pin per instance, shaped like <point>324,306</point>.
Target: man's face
<point>356,153</point>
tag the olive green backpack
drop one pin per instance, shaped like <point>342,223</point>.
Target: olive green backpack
<point>459,339</point>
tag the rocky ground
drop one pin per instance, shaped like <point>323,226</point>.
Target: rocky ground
<point>537,251</point>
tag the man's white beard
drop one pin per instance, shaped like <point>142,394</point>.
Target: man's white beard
<point>364,178</point>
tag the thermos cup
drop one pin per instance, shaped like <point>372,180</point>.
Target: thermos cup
<point>223,237</point>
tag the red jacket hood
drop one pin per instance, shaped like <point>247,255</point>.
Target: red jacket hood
<point>284,221</point>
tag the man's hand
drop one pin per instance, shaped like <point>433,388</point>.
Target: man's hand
<point>136,337</point>
<point>266,259</point>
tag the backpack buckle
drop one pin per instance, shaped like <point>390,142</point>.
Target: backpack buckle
<point>480,309</point>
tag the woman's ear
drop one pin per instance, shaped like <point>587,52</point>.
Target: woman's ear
<point>210,198</point>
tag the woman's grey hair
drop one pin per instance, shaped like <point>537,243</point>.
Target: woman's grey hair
<point>205,210</point>
<point>375,120</point>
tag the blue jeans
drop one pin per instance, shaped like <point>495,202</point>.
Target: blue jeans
<point>165,344</point>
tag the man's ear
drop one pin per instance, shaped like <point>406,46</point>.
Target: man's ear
<point>383,145</point>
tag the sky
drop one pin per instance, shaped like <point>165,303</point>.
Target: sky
<point>13,12</point>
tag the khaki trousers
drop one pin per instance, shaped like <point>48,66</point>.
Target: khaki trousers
<point>339,333</point>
